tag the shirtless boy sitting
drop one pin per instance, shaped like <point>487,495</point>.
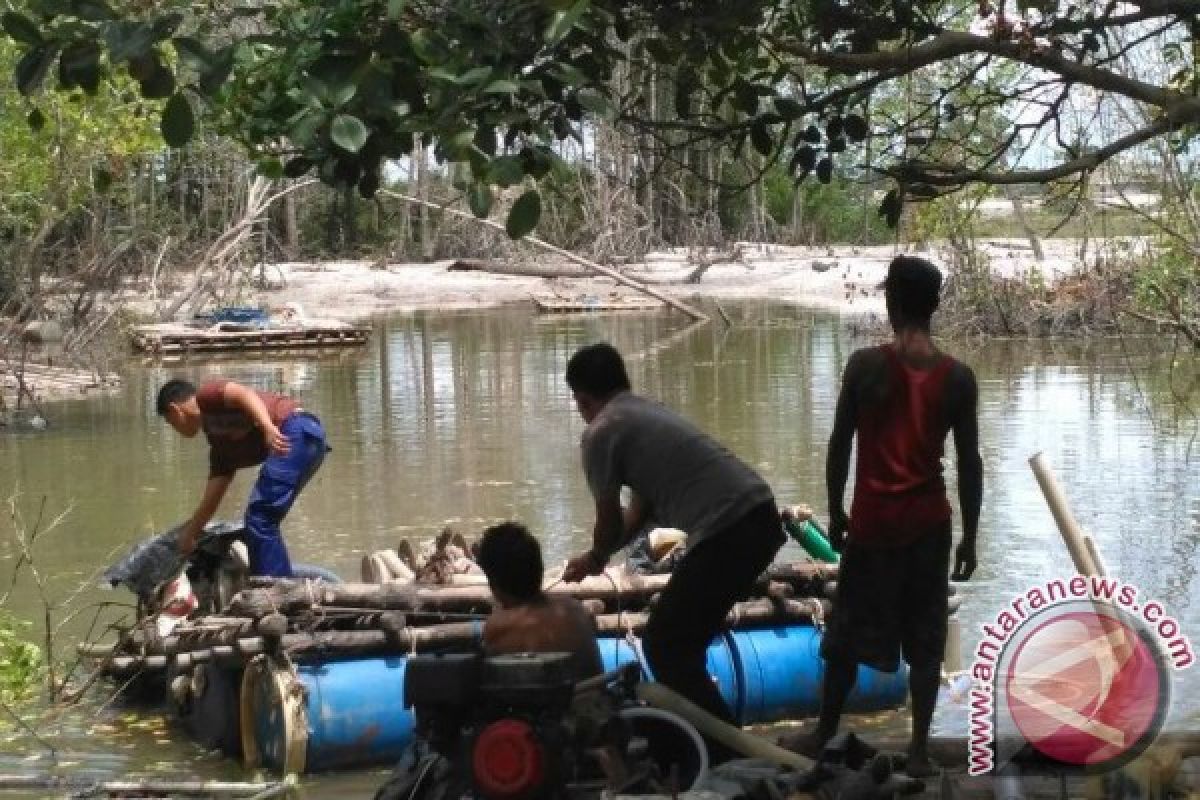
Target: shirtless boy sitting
<point>527,619</point>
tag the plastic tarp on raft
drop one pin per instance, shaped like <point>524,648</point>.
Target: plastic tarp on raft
<point>354,713</point>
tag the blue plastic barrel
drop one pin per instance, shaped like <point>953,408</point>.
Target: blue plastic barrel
<point>615,651</point>
<point>782,670</point>
<point>356,715</point>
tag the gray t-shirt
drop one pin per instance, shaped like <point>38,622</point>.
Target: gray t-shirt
<point>687,479</point>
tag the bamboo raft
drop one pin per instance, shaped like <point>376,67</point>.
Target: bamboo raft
<point>310,620</point>
<point>306,675</point>
<point>171,338</point>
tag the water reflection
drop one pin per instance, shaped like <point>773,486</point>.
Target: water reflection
<point>465,418</point>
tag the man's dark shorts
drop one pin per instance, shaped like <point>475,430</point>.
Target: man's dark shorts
<point>891,601</point>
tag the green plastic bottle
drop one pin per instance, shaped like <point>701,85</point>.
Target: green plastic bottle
<point>809,536</point>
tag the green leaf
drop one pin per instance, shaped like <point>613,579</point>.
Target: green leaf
<point>395,8</point>
<point>760,137</point>
<point>297,167</point>
<point>479,198</point>
<point>270,168</point>
<point>141,68</point>
<point>825,170</point>
<point>745,97</point>
<point>348,132</point>
<point>79,65</point>
<point>160,84</point>
<point>192,52</point>
<point>855,127</point>
<point>303,127</point>
<point>788,108</point>
<point>523,216</point>
<point>474,76</point>
<point>428,46</point>
<point>502,86</point>
<point>32,68</point>
<point>21,28</point>
<point>891,207</point>
<point>36,120</point>
<point>564,22</point>
<point>368,184</point>
<point>506,171</point>
<point>341,95</point>
<point>214,76</point>
<point>594,102</point>
<point>178,121</point>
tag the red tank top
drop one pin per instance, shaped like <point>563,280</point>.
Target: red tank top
<point>899,493</point>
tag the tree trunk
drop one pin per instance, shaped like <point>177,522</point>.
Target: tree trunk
<point>1018,208</point>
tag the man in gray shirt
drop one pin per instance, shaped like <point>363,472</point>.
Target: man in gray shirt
<point>686,480</point>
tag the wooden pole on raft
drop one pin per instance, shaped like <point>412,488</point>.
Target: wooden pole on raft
<point>567,254</point>
<point>1072,534</point>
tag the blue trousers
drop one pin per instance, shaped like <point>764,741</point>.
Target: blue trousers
<point>279,483</point>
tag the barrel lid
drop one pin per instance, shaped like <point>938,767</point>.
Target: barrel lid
<point>274,719</point>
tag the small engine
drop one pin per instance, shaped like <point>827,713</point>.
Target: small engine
<point>510,727</point>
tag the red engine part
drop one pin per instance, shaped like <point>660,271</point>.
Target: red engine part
<point>508,760</point>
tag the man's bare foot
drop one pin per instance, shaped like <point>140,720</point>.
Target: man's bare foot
<point>918,765</point>
<point>809,743</point>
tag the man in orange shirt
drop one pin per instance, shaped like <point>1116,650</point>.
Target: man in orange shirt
<point>246,428</point>
<point>901,400</point>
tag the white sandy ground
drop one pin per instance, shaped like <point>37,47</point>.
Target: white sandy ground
<point>840,279</point>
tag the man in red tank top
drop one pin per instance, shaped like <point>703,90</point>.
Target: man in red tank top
<point>245,428</point>
<point>901,400</point>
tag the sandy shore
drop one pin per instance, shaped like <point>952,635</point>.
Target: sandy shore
<point>840,279</point>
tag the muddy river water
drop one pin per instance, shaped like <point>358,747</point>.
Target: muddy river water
<point>465,419</point>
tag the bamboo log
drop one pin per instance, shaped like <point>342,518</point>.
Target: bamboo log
<point>289,596</point>
<point>449,635</point>
<point>749,612</point>
<point>1072,534</point>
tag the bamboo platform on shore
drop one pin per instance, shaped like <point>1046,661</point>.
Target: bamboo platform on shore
<point>177,339</point>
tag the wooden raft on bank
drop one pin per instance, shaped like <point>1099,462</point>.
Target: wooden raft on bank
<point>170,338</point>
